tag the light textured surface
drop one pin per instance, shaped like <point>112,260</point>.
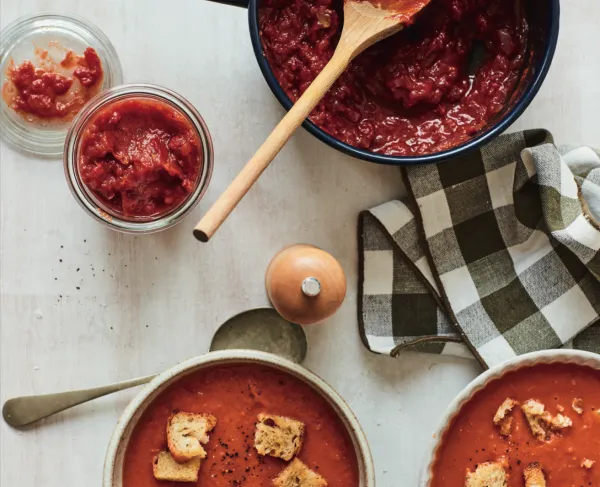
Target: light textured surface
<point>148,302</point>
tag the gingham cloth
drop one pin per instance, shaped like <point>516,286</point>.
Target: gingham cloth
<point>493,255</point>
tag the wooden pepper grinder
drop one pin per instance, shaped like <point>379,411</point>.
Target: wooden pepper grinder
<point>305,284</point>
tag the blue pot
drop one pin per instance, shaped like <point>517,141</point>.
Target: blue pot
<point>543,17</point>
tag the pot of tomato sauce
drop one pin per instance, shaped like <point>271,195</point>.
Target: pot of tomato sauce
<point>449,83</point>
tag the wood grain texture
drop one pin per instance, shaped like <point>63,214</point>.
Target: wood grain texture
<point>146,303</point>
<point>284,284</point>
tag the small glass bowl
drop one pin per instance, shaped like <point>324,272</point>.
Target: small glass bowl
<point>96,208</point>
<point>19,41</point>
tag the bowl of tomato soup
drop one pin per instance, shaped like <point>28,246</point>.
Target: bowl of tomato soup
<point>138,158</point>
<point>459,76</point>
<point>235,387</point>
<point>532,421</point>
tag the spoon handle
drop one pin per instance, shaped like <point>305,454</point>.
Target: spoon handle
<point>221,209</point>
<point>22,411</point>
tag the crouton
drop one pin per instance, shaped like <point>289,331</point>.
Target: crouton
<point>166,468</point>
<point>186,433</point>
<point>533,413</point>
<point>557,422</point>
<point>490,474</point>
<point>587,463</point>
<point>503,418</point>
<point>533,407</point>
<point>578,405</point>
<point>540,420</point>
<point>534,476</point>
<point>278,436</point>
<point>297,474</point>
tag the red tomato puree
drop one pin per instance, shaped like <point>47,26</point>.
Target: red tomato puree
<point>428,88</point>
<point>473,439</point>
<point>236,395</point>
<point>140,157</point>
<point>46,93</point>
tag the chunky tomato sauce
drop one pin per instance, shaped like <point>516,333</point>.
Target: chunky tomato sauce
<point>473,439</point>
<point>54,91</point>
<point>426,89</point>
<point>236,395</point>
<point>140,157</point>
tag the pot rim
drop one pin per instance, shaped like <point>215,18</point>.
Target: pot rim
<point>134,410</point>
<point>483,138</point>
<point>566,356</point>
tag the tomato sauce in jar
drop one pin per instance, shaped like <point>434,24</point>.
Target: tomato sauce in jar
<point>140,157</point>
<point>53,91</point>
<point>428,88</point>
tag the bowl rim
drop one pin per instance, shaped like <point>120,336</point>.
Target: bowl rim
<point>523,101</point>
<point>566,356</point>
<point>172,374</point>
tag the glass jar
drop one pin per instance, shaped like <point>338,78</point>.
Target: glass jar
<point>98,209</point>
<point>53,34</point>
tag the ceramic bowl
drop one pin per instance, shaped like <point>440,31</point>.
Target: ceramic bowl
<point>528,360</point>
<point>113,465</point>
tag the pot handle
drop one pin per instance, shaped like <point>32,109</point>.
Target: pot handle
<point>233,3</point>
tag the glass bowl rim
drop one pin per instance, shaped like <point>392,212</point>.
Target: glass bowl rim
<point>33,141</point>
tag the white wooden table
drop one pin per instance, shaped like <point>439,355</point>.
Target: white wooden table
<point>83,306</point>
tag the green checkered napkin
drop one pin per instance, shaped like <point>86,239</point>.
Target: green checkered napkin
<point>493,255</point>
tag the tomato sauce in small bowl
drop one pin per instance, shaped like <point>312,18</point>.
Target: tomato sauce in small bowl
<point>138,158</point>
<point>51,65</point>
<point>53,91</point>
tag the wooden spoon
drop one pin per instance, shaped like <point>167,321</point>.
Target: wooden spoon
<point>365,24</point>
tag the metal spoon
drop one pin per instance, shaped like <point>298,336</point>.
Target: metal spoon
<point>23,411</point>
<point>258,329</point>
<point>262,329</point>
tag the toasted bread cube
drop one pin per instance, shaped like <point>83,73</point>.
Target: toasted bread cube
<point>533,407</point>
<point>503,417</point>
<point>491,474</point>
<point>534,476</point>
<point>557,422</point>
<point>297,474</point>
<point>186,433</point>
<point>578,405</point>
<point>587,463</point>
<point>166,468</point>
<point>541,420</point>
<point>533,413</point>
<point>278,436</point>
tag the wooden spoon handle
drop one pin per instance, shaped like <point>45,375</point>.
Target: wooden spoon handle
<point>221,209</point>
